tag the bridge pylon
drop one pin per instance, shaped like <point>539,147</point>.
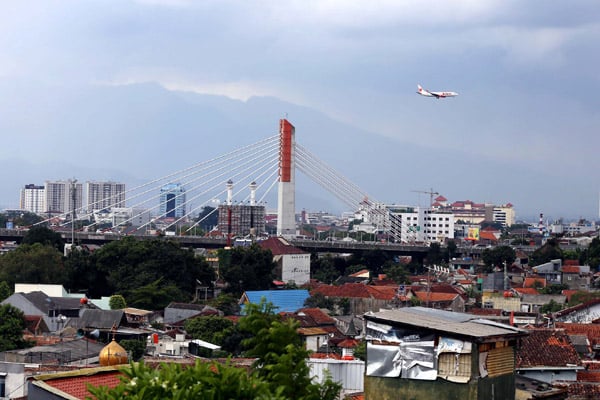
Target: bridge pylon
<point>286,194</point>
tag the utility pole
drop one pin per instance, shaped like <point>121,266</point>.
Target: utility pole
<point>73,216</point>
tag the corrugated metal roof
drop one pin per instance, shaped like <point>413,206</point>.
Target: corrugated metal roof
<point>446,321</point>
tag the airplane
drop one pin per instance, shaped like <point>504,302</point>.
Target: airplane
<point>437,95</point>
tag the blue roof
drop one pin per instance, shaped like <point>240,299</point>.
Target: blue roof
<point>283,300</point>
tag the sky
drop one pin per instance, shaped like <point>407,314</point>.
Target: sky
<point>526,71</point>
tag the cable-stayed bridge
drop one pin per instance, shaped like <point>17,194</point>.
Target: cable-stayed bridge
<point>247,174</point>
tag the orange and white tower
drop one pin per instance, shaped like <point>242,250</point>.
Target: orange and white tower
<point>286,201</point>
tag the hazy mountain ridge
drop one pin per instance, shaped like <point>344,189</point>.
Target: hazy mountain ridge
<point>140,132</point>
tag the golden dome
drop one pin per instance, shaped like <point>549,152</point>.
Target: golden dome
<point>113,354</point>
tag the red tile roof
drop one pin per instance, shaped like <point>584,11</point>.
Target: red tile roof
<point>318,316</point>
<point>435,297</point>
<point>280,246</point>
<point>547,348</point>
<point>592,331</point>
<point>356,290</point>
<point>570,269</point>
<point>530,282</point>
<point>76,386</point>
<point>588,376</point>
<point>571,262</point>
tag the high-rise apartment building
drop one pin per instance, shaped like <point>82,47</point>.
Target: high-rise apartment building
<point>63,196</point>
<point>104,195</point>
<point>172,201</point>
<point>33,199</point>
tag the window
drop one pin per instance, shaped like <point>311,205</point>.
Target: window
<point>454,364</point>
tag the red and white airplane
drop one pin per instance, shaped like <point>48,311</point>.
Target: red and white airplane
<point>437,95</point>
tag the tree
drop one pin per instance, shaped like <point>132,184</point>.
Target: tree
<point>32,263</point>
<point>135,268</point>
<point>434,255</point>
<point>281,358</point>
<point>5,291</point>
<point>12,324</point>
<point>117,302</point>
<point>208,328</point>
<point>551,307</point>
<point>83,274</point>
<point>498,256</point>
<point>548,252</point>
<point>134,347</point>
<point>247,268</point>
<point>593,253</point>
<point>201,381</point>
<point>41,234</point>
<point>397,273</point>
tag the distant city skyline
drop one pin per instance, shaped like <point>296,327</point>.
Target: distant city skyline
<point>134,90</point>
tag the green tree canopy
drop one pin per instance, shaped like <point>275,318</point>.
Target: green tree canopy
<point>12,324</point>
<point>202,381</point>
<point>117,302</point>
<point>281,357</point>
<point>208,328</point>
<point>32,263</point>
<point>5,291</point>
<point>135,268</point>
<point>548,252</point>
<point>497,256</point>
<point>247,268</point>
<point>41,234</point>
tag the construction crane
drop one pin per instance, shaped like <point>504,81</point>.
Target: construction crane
<point>431,193</point>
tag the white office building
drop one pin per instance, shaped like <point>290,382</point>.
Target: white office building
<point>63,196</point>
<point>33,199</point>
<point>104,195</point>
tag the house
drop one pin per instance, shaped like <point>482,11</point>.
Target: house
<point>547,355</point>
<point>576,277</point>
<point>550,270</point>
<point>423,353</point>
<point>361,298</point>
<point>442,301</point>
<point>590,331</point>
<point>177,313</point>
<point>533,302</point>
<point>72,384</point>
<point>57,312</point>
<point>292,263</point>
<point>283,300</point>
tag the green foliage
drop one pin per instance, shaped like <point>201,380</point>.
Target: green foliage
<point>117,302</point>
<point>155,295</point>
<point>583,297</point>
<point>497,256</point>
<point>209,328</point>
<point>593,254</point>
<point>373,260</point>
<point>45,236</point>
<point>360,351</point>
<point>317,300</point>
<point>32,263</point>
<point>548,252</point>
<point>150,273</point>
<point>212,381</point>
<point>551,307</point>
<point>82,274</point>
<point>135,348</point>
<point>12,324</point>
<point>398,273</point>
<point>5,291</point>
<point>247,268</point>
<point>281,358</point>
<point>225,303</point>
<point>553,289</point>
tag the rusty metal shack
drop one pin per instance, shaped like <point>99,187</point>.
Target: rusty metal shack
<point>423,353</point>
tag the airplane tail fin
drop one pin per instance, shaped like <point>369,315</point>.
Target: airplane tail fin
<point>419,89</point>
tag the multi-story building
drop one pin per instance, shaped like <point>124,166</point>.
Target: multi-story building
<point>424,224</point>
<point>172,201</point>
<point>63,197</point>
<point>33,198</point>
<point>504,214</point>
<point>242,219</point>
<point>104,195</point>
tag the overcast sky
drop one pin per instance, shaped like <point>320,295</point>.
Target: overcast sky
<point>526,71</point>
